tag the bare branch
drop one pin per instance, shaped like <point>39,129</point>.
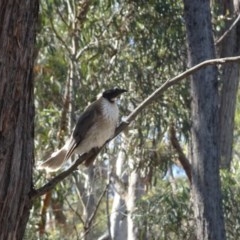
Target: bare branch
<point>82,50</point>
<point>62,18</point>
<point>75,211</point>
<point>169,83</point>
<point>59,37</point>
<point>71,11</point>
<point>182,158</point>
<point>118,185</point>
<point>228,30</point>
<point>97,206</point>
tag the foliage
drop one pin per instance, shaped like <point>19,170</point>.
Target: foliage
<point>166,213</point>
<point>137,45</point>
<point>231,200</point>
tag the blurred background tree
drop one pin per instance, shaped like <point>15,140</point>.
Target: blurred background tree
<point>136,188</point>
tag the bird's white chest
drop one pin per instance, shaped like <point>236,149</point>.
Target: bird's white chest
<point>103,129</point>
<point>106,127</point>
<point>110,112</point>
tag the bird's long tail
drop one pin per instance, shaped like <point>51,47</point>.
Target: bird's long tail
<point>55,161</point>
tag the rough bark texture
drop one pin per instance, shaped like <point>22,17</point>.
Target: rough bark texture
<point>230,46</point>
<point>205,124</point>
<point>17,37</point>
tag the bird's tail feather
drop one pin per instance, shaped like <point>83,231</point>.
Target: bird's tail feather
<point>54,162</point>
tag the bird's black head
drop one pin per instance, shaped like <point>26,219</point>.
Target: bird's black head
<point>112,94</point>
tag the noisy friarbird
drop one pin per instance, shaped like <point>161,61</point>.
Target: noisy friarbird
<point>95,126</point>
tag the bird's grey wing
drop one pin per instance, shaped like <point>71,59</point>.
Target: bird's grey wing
<point>85,121</point>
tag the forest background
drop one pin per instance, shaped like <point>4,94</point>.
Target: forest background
<point>142,185</point>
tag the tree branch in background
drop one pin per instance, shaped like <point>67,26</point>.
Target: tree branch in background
<point>181,156</point>
<point>75,212</point>
<point>169,83</point>
<point>228,31</point>
<point>89,223</point>
<point>59,37</point>
<point>83,8</point>
<point>46,203</point>
<point>119,185</point>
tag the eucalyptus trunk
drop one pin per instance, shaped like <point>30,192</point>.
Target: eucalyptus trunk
<point>229,46</point>
<point>205,151</point>
<point>17,39</point>
<point>118,220</point>
<point>135,191</point>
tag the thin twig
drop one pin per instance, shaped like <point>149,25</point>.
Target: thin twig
<point>228,30</point>
<point>75,211</point>
<point>97,206</point>
<point>59,37</point>
<point>62,18</point>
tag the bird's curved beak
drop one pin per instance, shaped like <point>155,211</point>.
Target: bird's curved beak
<point>121,90</point>
<point>118,93</point>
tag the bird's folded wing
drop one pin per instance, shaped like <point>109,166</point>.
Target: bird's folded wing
<point>85,122</point>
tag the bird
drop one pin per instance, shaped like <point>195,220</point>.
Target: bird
<point>94,127</point>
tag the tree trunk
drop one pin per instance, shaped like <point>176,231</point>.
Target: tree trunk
<point>230,46</point>
<point>17,39</point>
<point>205,124</point>
<point>135,191</point>
<point>89,203</point>
<point>118,220</point>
